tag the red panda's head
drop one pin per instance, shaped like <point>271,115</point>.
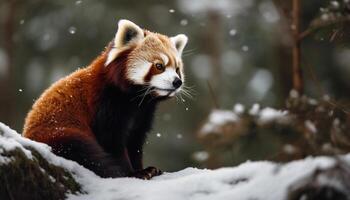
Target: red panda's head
<point>143,58</point>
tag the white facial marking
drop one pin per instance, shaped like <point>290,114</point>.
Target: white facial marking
<point>162,93</point>
<point>138,71</point>
<point>165,58</point>
<point>178,61</point>
<point>165,79</point>
<point>172,94</point>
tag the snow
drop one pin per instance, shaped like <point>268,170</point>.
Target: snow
<point>245,48</point>
<point>294,94</point>
<point>255,109</point>
<point>218,118</point>
<point>78,2</point>
<point>238,108</point>
<point>201,156</point>
<point>233,32</point>
<point>10,140</point>
<point>269,114</point>
<point>226,7</point>
<point>335,4</point>
<point>250,180</point>
<point>72,30</point>
<point>179,136</point>
<point>183,22</point>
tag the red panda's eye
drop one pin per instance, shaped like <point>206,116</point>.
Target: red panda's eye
<point>160,66</point>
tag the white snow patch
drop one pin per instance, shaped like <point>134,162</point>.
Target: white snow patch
<point>238,108</point>
<point>218,118</point>
<point>294,94</point>
<point>251,180</point>
<point>255,109</point>
<point>201,156</point>
<point>4,160</point>
<point>269,114</point>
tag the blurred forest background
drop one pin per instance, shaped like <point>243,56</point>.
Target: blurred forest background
<point>238,52</point>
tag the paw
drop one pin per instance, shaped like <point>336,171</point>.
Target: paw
<point>147,173</point>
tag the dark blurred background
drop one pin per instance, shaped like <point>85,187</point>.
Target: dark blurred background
<point>238,52</point>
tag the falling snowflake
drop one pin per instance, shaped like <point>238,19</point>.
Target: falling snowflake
<point>78,2</point>
<point>335,4</point>
<point>201,156</point>
<point>46,37</point>
<point>233,32</point>
<point>183,22</point>
<point>245,48</point>
<point>72,30</point>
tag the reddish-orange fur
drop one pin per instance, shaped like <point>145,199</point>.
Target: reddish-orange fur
<point>68,104</point>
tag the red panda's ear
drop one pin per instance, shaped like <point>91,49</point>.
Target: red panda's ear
<point>179,42</point>
<point>128,33</point>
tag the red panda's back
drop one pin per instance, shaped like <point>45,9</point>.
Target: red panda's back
<point>62,106</point>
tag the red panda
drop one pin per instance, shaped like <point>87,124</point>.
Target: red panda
<point>98,116</point>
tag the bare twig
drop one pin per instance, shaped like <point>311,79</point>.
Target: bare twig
<point>297,72</point>
<point>319,24</point>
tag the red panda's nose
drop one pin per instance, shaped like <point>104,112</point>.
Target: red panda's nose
<point>177,83</point>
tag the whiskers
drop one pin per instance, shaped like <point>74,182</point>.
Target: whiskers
<point>188,52</point>
<point>147,92</point>
<point>186,91</point>
<point>143,93</point>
